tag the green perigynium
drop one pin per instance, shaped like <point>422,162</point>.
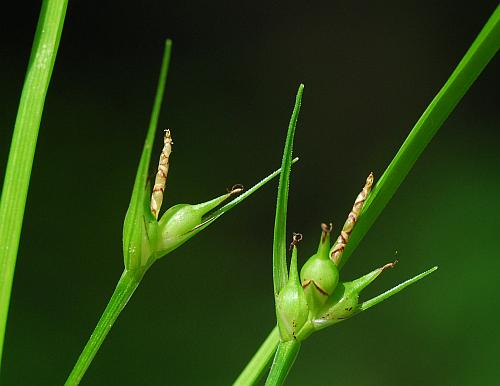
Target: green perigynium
<point>146,239</point>
<point>291,305</point>
<point>344,302</point>
<point>319,275</point>
<point>318,300</point>
<point>177,225</point>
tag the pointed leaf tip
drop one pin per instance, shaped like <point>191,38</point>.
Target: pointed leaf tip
<point>387,294</point>
<point>133,227</point>
<point>280,273</point>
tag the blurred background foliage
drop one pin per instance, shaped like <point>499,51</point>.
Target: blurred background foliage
<point>369,72</point>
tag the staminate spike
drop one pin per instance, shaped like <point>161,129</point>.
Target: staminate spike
<point>161,175</point>
<point>339,245</point>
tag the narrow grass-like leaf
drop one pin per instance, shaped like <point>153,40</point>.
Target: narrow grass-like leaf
<point>134,218</point>
<point>231,204</point>
<point>22,149</point>
<point>387,294</point>
<point>280,272</point>
<point>482,50</point>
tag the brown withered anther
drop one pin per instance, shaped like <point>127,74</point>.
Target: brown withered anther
<point>390,265</point>
<point>296,238</point>
<point>236,189</point>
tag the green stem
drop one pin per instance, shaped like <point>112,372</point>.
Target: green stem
<point>259,362</point>
<point>283,362</point>
<point>22,149</point>
<point>123,292</point>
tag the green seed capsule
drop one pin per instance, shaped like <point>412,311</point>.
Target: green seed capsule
<point>291,305</point>
<point>344,303</point>
<point>181,222</point>
<point>319,275</point>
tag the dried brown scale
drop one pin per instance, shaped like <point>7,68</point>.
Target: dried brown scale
<point>352,218</point>
<point>161,175</point>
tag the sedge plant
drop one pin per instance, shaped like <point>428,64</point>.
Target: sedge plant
<point>22,149</point>
<point>315,298</point>
<point>306,301</point>
<point>147,236</point>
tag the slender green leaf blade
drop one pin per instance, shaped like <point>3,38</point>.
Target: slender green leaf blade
<point>280,273</point>
<point>22,150</point>
<point>231,204</point>
<point>134,219</point>
<point>482,50</point>
<point>212,216</point>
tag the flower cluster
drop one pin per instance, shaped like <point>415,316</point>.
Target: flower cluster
<point>316,299</point>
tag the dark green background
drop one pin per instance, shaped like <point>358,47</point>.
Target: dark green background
<point>369,70</point>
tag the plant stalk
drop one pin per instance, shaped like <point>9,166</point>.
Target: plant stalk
<point>283,362</point>
<point>123,292</point>
<point>22,149</point>
<point>259,362</point>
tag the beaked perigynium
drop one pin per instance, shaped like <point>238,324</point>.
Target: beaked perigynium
<point>155,238</point>
<point>317,299</point>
